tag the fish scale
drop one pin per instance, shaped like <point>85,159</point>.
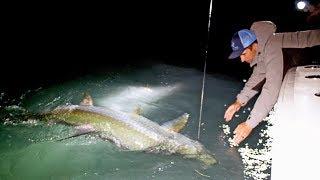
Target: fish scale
<point>132,131</point>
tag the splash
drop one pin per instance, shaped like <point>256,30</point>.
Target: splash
<point>256,161</point>
<point>130,97</point>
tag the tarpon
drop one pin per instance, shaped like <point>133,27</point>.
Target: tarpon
<point>131,131</point>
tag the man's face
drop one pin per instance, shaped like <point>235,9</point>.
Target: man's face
<point>249,53</point>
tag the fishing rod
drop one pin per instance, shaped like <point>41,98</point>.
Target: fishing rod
<point>204,71</point>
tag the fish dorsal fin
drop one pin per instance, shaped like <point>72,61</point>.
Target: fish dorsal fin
<point>177,124</point>
<point>137,110</point>
<point>87,100</point>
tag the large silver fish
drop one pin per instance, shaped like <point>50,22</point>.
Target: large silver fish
<point>131,130</point>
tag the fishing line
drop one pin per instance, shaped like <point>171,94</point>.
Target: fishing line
<point>204,71</point>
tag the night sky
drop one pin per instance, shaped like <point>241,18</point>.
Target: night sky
<point>70,40</point>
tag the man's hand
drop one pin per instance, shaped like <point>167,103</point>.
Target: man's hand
<point>233,108</point>
<point>241,132</point>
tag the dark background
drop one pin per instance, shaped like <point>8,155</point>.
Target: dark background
<point>53,42</point>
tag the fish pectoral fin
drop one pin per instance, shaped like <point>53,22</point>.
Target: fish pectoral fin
<point>109,137</point>
<point>81,130</point>
<point>177,124</point>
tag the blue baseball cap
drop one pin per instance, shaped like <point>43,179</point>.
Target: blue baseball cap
<point>240,41</point>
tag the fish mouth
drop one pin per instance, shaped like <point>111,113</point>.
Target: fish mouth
<point>207,159</point>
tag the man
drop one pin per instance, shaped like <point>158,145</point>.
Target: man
<point>261,47</point>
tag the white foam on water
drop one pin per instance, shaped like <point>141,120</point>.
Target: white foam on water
<point>129,98</point>
<point>256,161</point>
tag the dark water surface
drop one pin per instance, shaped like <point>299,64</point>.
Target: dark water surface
<point>28,149</point>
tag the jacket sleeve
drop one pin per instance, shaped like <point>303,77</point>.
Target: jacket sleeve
<point>271,88</point>
<point>300,39</point>
<point>249,91</point>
